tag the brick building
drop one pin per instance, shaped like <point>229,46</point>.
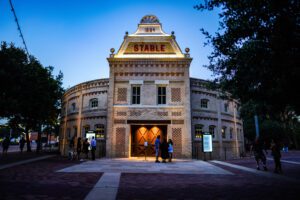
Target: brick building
<point>149,92</point>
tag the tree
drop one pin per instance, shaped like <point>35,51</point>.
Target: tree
<point>31,96</point>
<point>256,52</point>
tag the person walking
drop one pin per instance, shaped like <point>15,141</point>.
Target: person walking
<point>275,148</point>
<point>5,145</point>
<point>259,155</point>
<point>22,144</point>
<point>164,150</point>
<point>157,146</point>
<point>170,150</point>
<point>93,145</point>
<point>85,148</point>
<point>78,148</point>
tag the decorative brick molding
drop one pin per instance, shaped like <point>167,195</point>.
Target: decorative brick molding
<point>122,94</point>
<point>177,141</point>
<point>176,114</point>
<point>175,94</point>
<point>204,93</point>
<point>121,114</point>
<point>120,121</point>
<point>120,141</point>
<point>95,93</point>
<point>162,114</point>
<point>135,113</point>
<point>177,121</point>
<point>149,74</point>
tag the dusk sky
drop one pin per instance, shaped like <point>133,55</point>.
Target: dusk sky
<point>75,36</point>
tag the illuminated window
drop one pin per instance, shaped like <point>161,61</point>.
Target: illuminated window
<point>161,95</point>
<point>212,130</point>
<point>204,103</point>
<point>99,130</point>
<point>198,130</point>
<point>136,95</point>
<point>94,103</point>
<point>223,131</point>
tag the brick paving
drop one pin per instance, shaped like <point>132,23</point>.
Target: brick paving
<point>12,157</point>
<point>39,180</point>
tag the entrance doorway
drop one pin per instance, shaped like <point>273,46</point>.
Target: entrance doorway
<point>146,133</point>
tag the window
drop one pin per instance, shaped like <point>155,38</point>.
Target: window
<point>230,133</point>
<point>136,95</point>
<point>212,130</point>
<point>198,130</point>
<point>94,103</point>
<point>223,131</point>
<point>75,130</point>
<point>69,132</point>
<point>161,95</point>
<point>226,107</point>
<point>99,130</point>
<point>204,103</point>
<point>73,106</point>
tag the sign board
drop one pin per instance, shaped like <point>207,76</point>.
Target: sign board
<point>149,48</point>
<point>207,142</point>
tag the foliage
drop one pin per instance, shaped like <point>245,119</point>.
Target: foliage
<point>256,52</point>
<point>30,94</point>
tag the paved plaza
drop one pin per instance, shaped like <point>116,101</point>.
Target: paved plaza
<point>56,177</point>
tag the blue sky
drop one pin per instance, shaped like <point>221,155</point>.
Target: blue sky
<point>75,36</point>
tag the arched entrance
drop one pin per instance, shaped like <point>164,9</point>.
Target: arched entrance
<point>146,133</point>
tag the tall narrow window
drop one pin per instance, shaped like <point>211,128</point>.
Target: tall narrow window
<point>212,130</point>
<point>231,133</point>
<point>226,107</point>
<point>198,130</point>
<point>94,103</point>
<point>136,95</point>
<point>161,95</point>
<point>73,106</point>
<point>204,103</point>
<point>223,131</point>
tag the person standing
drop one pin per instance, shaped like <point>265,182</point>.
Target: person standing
<point>85,147</point>
<point>157,146</point>
<point>22,143</point>
<point>78,148</point>
<point>5,145</point>
<point>164,150</point>
<point>170,149</point>
<point>93,145</point>
<point>275,148</point>
<point>259,155</point>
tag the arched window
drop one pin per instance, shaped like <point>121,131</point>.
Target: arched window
<point>223,131</point>
<point>198,130</point>
<point>204,103</point>
<point>94,103</point>
<point>212,130</point>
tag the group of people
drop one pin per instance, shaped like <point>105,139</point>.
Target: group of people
<point>260,153</point>
<point>165,148</point>
<point>82,147</point>
<point>6,143</point>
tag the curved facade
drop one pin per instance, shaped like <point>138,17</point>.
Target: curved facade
<point>149,92</point>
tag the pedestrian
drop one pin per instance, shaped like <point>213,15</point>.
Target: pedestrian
<point>164,150</point>
<point>275,148</point>
<point>259,155</point>
<point>85,148</point>
<point>78,148</point>
<point>157,146</point>
<point>170,149</point>
<point>71,148</point>
<point>93,145</point>
<point>22,144</point>
<point>5,145</point>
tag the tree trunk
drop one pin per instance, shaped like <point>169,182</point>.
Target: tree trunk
<point>27,140</point>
